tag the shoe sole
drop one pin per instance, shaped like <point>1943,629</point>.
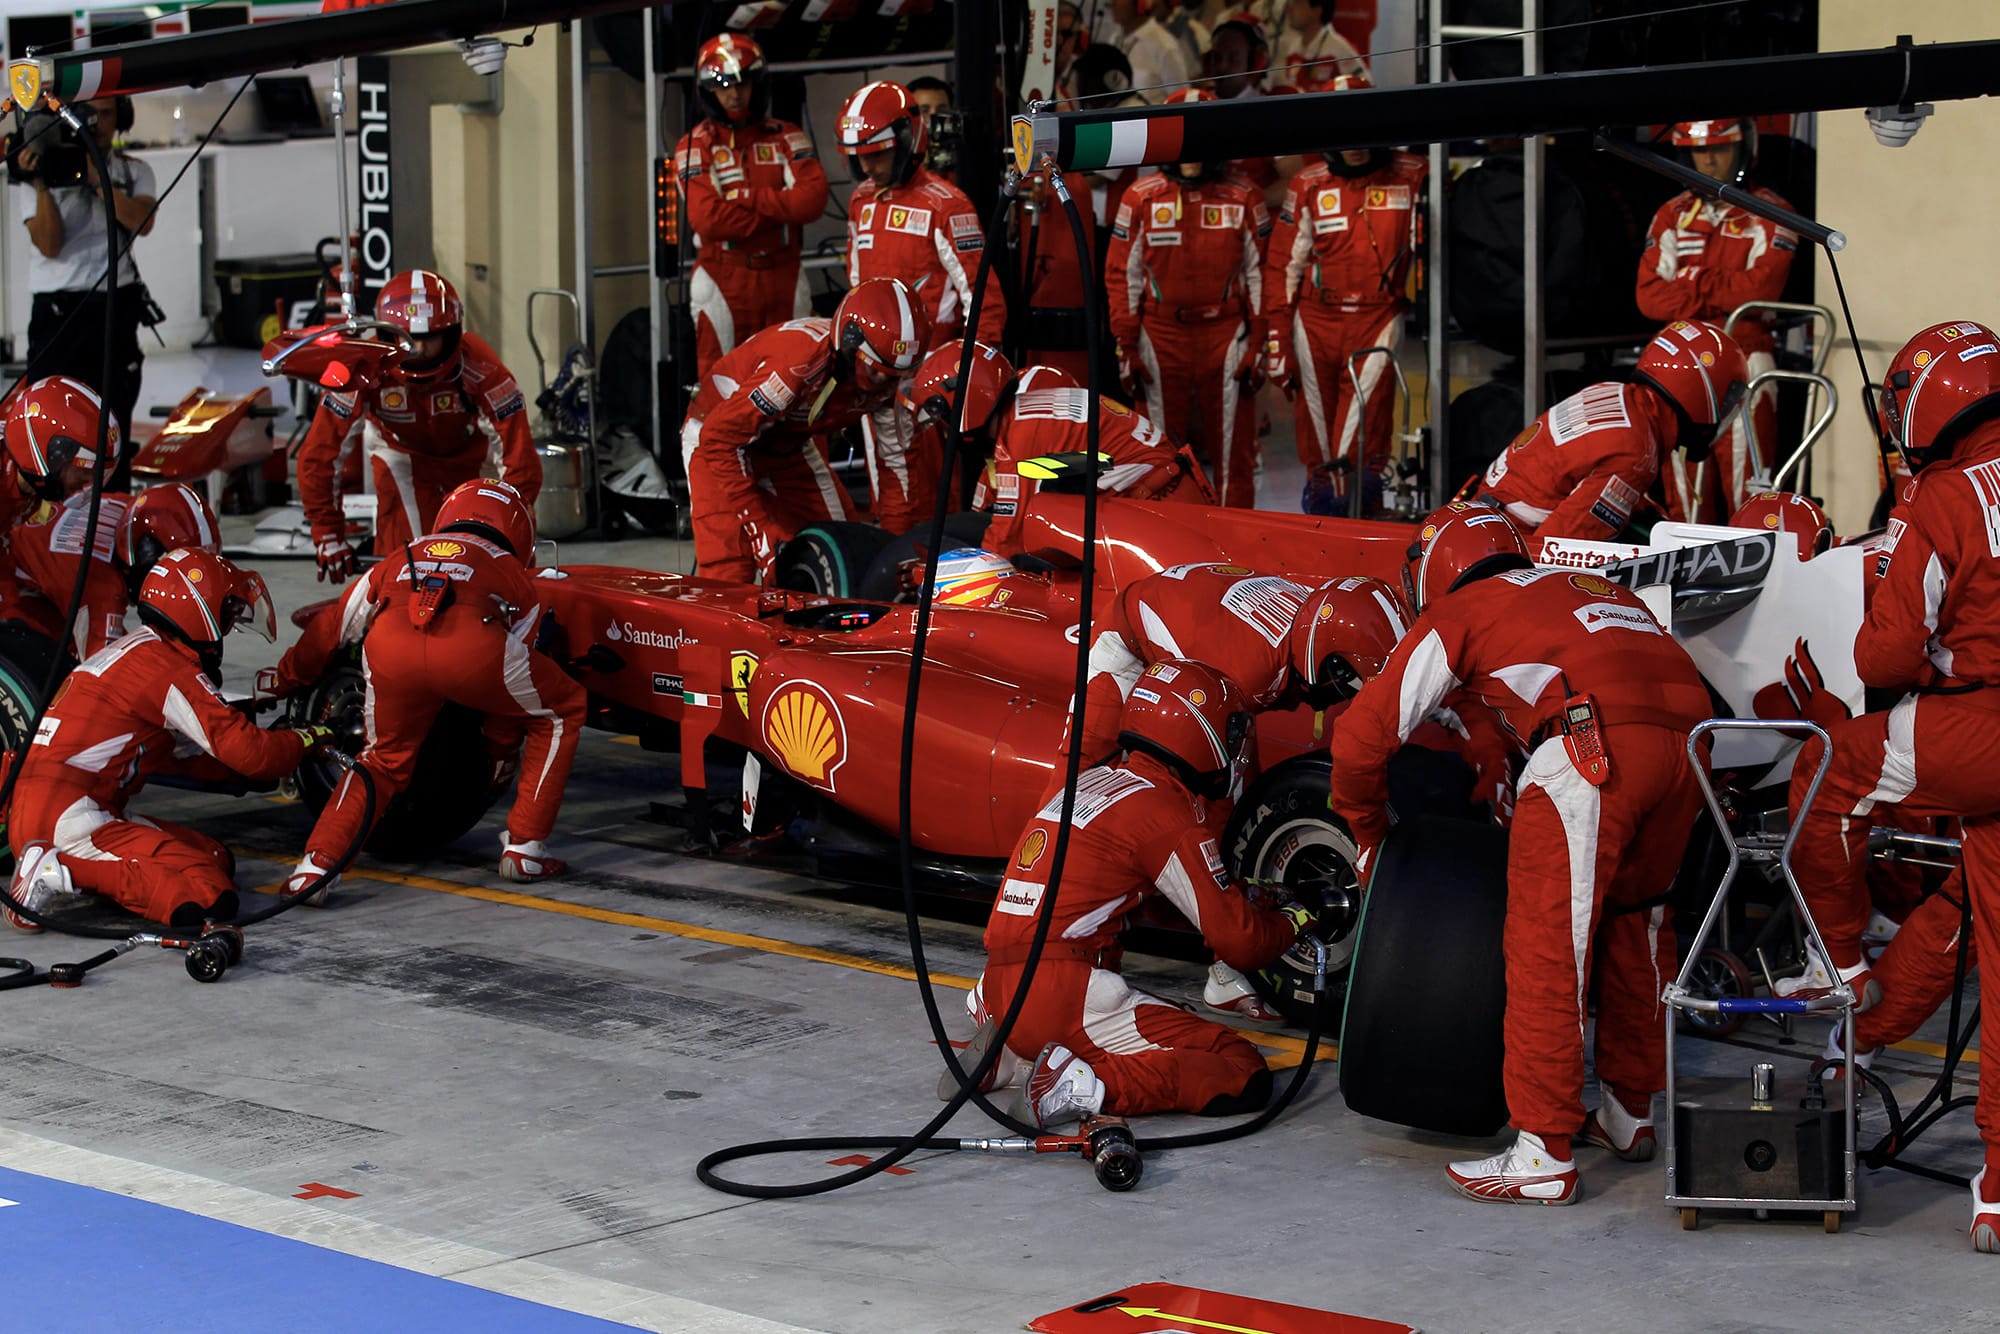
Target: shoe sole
<point>1275,1020</point>
<point>1465,1188</point>
<point>1641,1150</point>
<point>974,1052</point>
<point>1986,1238</point>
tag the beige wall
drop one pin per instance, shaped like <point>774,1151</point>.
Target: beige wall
<point>500,201</point>
<point>1918,221</point>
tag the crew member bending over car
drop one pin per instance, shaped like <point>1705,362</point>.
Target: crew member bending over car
<point>1606,699</point>
<point>132,711</point>
<point>1014,421</point>
<point>449,619</point>
<point>442,412</point>
<point>1932,630</point>
<point>753,439</point>
<point>1143,824</point>
<point>1587,463</point>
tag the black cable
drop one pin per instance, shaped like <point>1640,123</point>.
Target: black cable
<point>1935,1105</point>
<point>1861,363</point>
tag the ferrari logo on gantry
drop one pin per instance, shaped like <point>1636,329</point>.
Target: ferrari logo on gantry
<point>802,726</point>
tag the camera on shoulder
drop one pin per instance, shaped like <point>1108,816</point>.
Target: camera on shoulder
<point>63,159</point>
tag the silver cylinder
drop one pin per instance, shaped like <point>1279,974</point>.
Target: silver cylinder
<point>1761,1075</point>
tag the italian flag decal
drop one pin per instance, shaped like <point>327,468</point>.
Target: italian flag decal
<point>79,83</point>
<point>1127,143</point>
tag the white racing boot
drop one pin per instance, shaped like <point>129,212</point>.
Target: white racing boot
<point>39,880</point>
<point>1061,1088</point>
<point>1632,1138</point>
<point>1522,1173</point>
<point>1227,991</point>
<point>1820,979</point>
<point>526,862</point>
<point>304,874</point>
<point>1836,1051</point>
<point>1985,1220</point>
<point>1007,1072</point>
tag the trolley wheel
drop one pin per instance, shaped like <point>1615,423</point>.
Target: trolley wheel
<point>230,936</point>
<point>207,961</point>
<point>1717,975</point>
<point>1690,1219</point>
<point>1831,1221</point>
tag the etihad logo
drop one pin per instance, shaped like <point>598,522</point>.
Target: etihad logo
<point>802,726</point>
<point>632,634</point>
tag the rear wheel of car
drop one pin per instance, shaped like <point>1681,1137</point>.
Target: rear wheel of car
<point>1282,834</point>
<point>450,792</point>
<point>830,558</point>
<point>25,658</point>
<point>1421,1042</point>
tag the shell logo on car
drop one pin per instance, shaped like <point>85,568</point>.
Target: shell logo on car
<point>802,726</point>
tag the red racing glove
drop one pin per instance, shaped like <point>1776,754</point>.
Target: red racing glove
<point>1277,363</point>
<point>763,537</point>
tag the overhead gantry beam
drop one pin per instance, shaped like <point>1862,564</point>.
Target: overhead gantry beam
<point>171,62</point>
<point>1504,108</point>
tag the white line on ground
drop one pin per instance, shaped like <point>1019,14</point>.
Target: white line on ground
<point>321,1226</point>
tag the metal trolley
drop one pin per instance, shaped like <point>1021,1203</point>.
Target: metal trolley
<point>1711,1145</point>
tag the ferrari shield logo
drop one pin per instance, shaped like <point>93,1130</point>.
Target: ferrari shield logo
<point>899,218</point>
<point>24,81</point>
<point>1024,145</point>
<point>742,666</point>
<point>802,726</point>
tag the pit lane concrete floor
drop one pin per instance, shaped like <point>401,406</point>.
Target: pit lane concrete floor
<point>511,1090</point>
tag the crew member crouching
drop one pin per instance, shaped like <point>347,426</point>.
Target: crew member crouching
<point>450,618</point>
<point>1142,824</point>
<point>118,720</point>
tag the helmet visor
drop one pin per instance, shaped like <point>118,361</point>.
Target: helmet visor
<point>249,606</point>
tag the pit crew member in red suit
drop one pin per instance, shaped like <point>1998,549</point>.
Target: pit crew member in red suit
<point>1185,277</point>
<point>441,413</point>
<point>448,618</point>
<point>1143,824</point>
<point>135,709</point>
<point>1052,278</point>
<point>1335,276</point>
<point>1931,630</point>
<point>1040,412</point>
<point>753,440</point>
<point>1702,261</point>
<point>1535,646</point>
<point>752,184</point>
<point>1586,464</point>
<point>51,437</point>
<point>904,222</point>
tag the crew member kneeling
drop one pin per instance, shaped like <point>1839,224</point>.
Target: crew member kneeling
<point>449,619</point>
<point>1580,667</point>
<point>1142,824</point>
<point>117,721</point>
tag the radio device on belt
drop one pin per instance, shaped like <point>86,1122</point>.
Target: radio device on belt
<point>1583,737</point>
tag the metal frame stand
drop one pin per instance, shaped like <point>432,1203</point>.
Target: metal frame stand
<point>1767,849</point>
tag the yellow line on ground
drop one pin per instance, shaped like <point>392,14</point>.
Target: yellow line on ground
<point>1291,1050</point>
<point>1936,1049</point>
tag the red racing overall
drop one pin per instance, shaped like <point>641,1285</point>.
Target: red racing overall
<point>1135,832</point>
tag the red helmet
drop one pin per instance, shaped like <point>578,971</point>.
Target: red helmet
<point>1737,133</point>
<point>492,510</point>
<point>1937,388</point>
<point>54,426</point>
<point>728,60</point>
<point>422,305</point>
<point>1703,373</point>
<point>989,379</point>
<point>1343,636</point>
<point>1191,95</point>
<point>164,518</point>
<point>1203,171</point>
<point>194,597</point>
<point>879,332</point>
<point>1784,511</point>
<point>881,118</point>
<point>1463,541</point>
<point>1190,718</point>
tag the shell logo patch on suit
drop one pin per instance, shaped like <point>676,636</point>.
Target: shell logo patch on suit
<point>802,726</point>
<point>742,667</point>
<point>394,399</point>
<point>1163,215</point>
<point>1593,585</point>
<point>443,550</point>
<point>1031,849</point>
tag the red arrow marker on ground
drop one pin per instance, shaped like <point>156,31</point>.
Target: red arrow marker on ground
<point>862,1160</point>
<point>314,1190</point>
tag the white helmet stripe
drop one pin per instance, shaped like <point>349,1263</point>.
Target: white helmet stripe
<point>215,632</point>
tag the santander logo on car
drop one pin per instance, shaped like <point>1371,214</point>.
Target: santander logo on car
<point>631,634</point>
